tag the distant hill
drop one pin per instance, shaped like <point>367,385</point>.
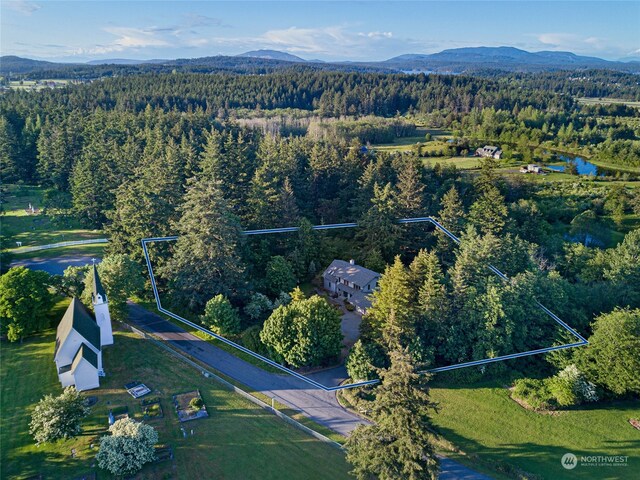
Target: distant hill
<point>506,58</point>
<point>17,65</point>
<point>471,60</point>
<point>272,55</point>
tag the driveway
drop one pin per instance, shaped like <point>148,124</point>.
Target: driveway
<point>320,406</point>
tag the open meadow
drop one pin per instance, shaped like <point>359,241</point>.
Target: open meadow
<point>238,440</point>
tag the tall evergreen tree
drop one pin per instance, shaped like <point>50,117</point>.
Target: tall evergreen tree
<point>9,152</point>
<point>489,213</point>
<point>391,315</point>
<point>205,260</point>
<point>379,228</point>
<point>399,445</point>
<point>451,216</point>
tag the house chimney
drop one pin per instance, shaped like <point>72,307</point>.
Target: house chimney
<point>352,262</point>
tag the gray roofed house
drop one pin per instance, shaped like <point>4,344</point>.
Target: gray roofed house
<point>351,282</point>
<point>489,151</point>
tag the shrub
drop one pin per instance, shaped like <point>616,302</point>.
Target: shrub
<point>251,339</point>
<point>221,317</point>
<point>58,417</point>
<point>128,448</point>
<point>196,403</point>
<point>534,392</point>
<point>569,387</point>
<point>562,390</point>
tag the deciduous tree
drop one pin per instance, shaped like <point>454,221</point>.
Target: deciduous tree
<point>128,448</point>
<point>220,317</point>
<point>25,300</point>
<point>58,417</point>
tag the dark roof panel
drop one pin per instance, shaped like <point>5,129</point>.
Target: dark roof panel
<point>98,289</point>
<point>79,319</point>
<point>87,353</point>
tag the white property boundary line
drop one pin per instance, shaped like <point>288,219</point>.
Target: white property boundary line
<point>403,221</point>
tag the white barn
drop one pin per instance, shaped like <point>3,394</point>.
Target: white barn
<point>351,282</point>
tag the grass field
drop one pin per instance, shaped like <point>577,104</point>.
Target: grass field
<point>485,423</point>
<point>463,163</point>
<point>238,440</point>
<point>37,229</point>
<point>95,250</point>
<point>607,101</point>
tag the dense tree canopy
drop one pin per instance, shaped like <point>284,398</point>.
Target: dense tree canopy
<point>25,300</point>
<point>304,333</point>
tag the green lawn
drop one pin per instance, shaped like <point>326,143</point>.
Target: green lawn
<point>93,249</point>
<point>37,229</point>
<point>485,423</point>
<point>607,101</point>
<point>239,440</point>
<point>463,163</point>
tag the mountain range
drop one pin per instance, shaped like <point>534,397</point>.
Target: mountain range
<point>457,60</point>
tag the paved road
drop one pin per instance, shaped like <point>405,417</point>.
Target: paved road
<point>320,406</point>
<point>55,266</point>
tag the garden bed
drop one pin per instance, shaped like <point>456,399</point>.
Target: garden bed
<point>151,409</point>
<point>163,453</point>
<point>189,406</point>
<point>120,412</point>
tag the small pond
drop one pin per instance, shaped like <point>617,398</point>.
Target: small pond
<point>585,167</point>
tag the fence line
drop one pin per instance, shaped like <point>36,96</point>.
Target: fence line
<point>60,244</point>
<point>208,374</point>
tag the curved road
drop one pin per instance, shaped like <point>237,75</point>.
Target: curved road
<point>320,406</point>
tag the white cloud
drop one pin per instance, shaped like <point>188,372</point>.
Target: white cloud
<point>136,39</point>
<point>573,42</point>
<point>334,41</point>
<point>22,6</point>
<point>376,34</point>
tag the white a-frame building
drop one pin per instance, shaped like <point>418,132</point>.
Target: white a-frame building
<point>80,338</point>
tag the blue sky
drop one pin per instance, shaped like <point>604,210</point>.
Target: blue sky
<point>90,29</point>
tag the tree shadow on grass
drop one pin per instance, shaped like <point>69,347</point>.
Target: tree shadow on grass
<point>544,461</point>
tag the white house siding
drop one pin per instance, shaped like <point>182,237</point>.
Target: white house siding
<point>86,376</point>
<point>67,351</point>
<point>103,318</point>
<point>66,379</point>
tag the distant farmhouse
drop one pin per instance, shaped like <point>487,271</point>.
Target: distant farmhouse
<point>531,168</point>
<point>489,151</point>
<point>80,338</point>
<point>351,282</point>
